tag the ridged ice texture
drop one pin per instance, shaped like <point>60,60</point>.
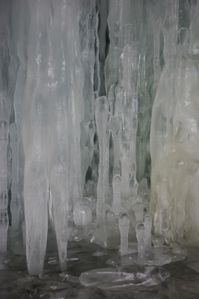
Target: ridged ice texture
<point>122,67</point>
<point>5,114</point>
<point>53,99</point>
<point>55,137</point>
<point>102,124</point>
<point>174,134</point>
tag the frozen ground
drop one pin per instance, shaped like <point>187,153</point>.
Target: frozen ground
<point>15,283</point>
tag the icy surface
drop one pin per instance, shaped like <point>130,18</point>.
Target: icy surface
<point>50,113</point>
<point>99,127</point>
<point>16,283</point>
<point>112,279</point>
<point>157,257</point>
<point>174,135</point>
<point>5,112</point>
<point>102,123</point>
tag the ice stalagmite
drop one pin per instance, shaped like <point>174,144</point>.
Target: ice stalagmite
<point>140,235</point>
<point>147,232</point>
<point>124,224</point>
<point>157,17</point>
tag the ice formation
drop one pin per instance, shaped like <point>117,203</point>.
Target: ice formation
<point>111,279</point>
<point>174,130</point>
<point>98,126</point>
<point>124,233</point>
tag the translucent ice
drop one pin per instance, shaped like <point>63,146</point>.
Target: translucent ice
<point>147,232</point>
<point>16,205</point>
<point>117,194</point>
<point>174,137</point>
<point>138,208</point>
<point>102,123</point>
<point>83,84</point>
<point>124,224</point>
<point>6,90</point>
<point>116,129</point>
<point>3,185</point>
<point>82,214</point>
<point>110,278</point>
<point>49,113</point>
<point>140,235</point>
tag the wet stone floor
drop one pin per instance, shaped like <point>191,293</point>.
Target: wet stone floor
<point>15,283</point>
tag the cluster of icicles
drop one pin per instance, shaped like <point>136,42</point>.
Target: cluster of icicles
<point>75,124</point>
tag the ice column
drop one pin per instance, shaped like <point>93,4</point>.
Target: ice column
<point>128,95</point>
<point>116,129</point>
<point>102,124</point>
<point>34,136</point>
<point>122,87</point>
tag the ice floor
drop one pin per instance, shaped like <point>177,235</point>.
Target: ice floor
<point>15,283</point>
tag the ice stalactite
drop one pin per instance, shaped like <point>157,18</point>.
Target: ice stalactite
<point>57,100</point>
<point>156,53</point>
<point>87,35</point>
<point>35,137</point>
<point>157,15</point>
